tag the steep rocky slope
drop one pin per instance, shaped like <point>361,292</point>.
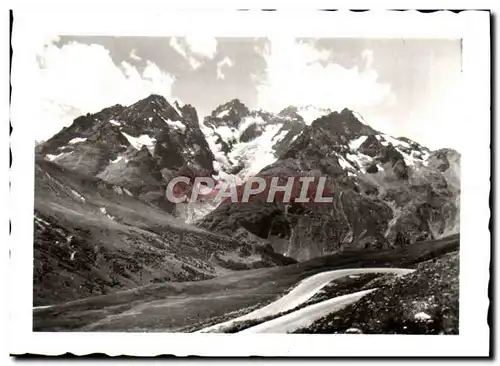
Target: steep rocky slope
<point>386,191</point>
<point>424,302</point>
<point>139,147</point>
<point>102,221</point>
<point>244,141</point>
<point>93,237</point>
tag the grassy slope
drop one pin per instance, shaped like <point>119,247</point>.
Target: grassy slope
<point>190,305</point>
<point>81,251</point>
<point>338,287</point>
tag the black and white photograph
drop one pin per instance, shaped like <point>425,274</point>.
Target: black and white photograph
<point>253,178</point>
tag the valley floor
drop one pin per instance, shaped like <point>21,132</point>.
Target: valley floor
<point>192,306</point>
<point>299,295</point>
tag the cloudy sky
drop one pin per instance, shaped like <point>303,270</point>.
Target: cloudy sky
<point>402,87</point>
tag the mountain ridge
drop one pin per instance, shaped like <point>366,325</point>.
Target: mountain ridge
<point>405,184</point>
<point>413,191</point>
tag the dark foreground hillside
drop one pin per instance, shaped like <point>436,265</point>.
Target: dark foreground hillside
<point>424,302</point>
<point>187,306</point>
<point>94,238</point>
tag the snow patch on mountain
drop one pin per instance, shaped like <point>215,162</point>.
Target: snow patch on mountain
<point>177,110</point>
<point>395,142</point>
<point>222,176</point>
<point>114,123</point>
<point>357,142</point>
<point>257,153</point>
<point>261,132</point>
<point>360,118</point>
<point>253,155</point>
<point>225,132</point>
<point>116,160</point>
<point>53,157</point>
<point>223,114</point>
<point>221,162</point>
<point>361,160</point>
<point>247,122</point>
<point>413,157</point>
<point>344,163</point>
<point>410,160</point>
<point>176,124</point>
<point>426,155</point>
<point>422,316</point>
<point>142,140</point>
<point>279,136</point>
<point>77,140</point>
<point>193,211</point>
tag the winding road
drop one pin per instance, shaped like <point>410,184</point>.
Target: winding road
<point>306,316</point>
<point>306,289</point>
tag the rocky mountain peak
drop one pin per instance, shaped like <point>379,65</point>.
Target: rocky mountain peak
<point>236,106</point>
<point>384,187</point>
<point>290,112</point>
<point>139,146</point>
<point>346,123</point>
<point>151,99</point>
<point>153,105</point>
<point>131,146</point>
<point>244,141</point>
<point>189,113</point>
<point>306,113</point>
<point>229,114</point>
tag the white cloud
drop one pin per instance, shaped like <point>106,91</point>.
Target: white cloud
<point>183,51</point>
<point>295,76</point>
<point>76,79</point>
<point>368,57</point>
<point>174,43</point>
<point>195,48</point>
<point>205,46</point>
<point>133,55</point>
<point>225,62</point>
<point>194,63</point>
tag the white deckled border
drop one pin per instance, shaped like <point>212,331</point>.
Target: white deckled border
<point>472,27</point>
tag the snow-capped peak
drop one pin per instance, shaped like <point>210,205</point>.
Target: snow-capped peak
<point>359,117</point>
<point>308,113</point>
<point>223,113</point>
<point>232,108</point>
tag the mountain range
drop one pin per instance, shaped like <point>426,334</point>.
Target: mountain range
<point>103,223</point>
